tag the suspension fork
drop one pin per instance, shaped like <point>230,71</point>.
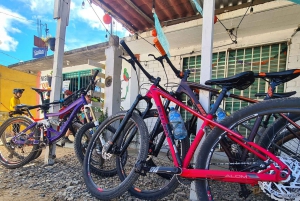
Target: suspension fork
<point>125,121</point>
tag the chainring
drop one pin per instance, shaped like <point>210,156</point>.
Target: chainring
<point>284,190</point>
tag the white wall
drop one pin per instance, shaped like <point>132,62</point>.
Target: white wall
<point>293,56</point>
<point>293,62</point>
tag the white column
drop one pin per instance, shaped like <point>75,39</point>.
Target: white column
<point>113,68</point>
<point>206,64</point>
<point>61,13</point>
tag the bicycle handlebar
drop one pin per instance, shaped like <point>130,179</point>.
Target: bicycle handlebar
<point>126,48</point>
<point>178,73</point>
<point>159,46</point>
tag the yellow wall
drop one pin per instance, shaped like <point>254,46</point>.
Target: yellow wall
<point>10,79</point>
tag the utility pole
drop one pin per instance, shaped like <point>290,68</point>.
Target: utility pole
<point>61,13</point>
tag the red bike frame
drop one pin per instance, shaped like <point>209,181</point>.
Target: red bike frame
<point>226,176</point>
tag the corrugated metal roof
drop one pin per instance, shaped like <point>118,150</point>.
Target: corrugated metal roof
<point>136,15</point>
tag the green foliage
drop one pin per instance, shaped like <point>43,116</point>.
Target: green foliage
<point>103,115</point>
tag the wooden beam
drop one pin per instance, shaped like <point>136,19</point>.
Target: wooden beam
<point>132,5</point>
<point>115,15</point>
<point>95,64</point>
<point>98,94</point>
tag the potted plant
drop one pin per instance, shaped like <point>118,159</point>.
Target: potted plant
<point>50,41</point>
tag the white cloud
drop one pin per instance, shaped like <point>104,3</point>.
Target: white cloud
<point>40,7</point>
<point>8,18</point>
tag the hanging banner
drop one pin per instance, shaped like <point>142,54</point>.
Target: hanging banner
<point>39,52</point>
<point>295,1</point>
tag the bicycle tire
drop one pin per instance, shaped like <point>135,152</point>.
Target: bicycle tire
<point>156,186</point>
<point>212,156</point>
<point>12,149</point>
<point>165,184</point>
<point>159,185</point>
<point>82,139</point>
<point>28,121</point>
<point>109,192</point>
<point>84,135</point>
<point>279,140</point>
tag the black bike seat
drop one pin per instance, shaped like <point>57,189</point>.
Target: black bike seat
<point>277,95</point>
<point>279,77</point>
<point>239,81</point>
<point>21,106</point>
<point>29,107</point>
<point>40,90</point>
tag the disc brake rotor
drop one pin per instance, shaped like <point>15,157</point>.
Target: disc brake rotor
<point>284,190</point>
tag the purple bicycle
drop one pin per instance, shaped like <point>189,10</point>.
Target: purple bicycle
<point>18,148</point>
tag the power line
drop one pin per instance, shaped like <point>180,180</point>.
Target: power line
<point>15,16</point>
<point>11,56</point>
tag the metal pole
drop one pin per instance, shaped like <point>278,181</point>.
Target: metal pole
<point>206,64</point>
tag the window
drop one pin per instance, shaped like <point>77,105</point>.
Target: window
<point>266,58</point>
<point>78,79</point>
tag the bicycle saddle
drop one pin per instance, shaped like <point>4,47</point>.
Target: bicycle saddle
<point>279,77</point>
<point>239,81</point>
<point>29,107</point>
<point>40,90</point>
<point>277,95</point>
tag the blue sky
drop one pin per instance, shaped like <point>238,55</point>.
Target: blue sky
<point>18,25</point>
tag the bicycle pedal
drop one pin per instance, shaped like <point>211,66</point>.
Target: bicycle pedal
<point>256,190</point>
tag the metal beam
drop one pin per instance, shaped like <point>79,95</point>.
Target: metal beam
<point>132,5</point>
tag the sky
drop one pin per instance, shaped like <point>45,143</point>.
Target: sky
<point>18,25</point>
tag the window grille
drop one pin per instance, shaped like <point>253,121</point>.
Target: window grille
<point>266,58</point>
<point>78,79</point>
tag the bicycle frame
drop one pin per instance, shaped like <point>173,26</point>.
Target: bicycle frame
<point>74,107</point>
<point>227,176</point>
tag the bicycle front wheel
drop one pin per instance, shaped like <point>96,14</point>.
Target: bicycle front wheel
<point>82,139</point>
<point>218,152</point>
<point>152,186</point>
<point>16,145</point>
<point>101,186</point>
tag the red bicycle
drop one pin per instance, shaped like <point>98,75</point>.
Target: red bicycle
<point>225,155</point>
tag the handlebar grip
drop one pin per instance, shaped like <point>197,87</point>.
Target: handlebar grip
<point>159,46</point>
<point>126,48</point>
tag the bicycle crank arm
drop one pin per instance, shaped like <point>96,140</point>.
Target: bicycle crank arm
<point>169,170</point>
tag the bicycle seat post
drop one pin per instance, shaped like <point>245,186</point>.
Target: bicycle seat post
<point>219,99</point>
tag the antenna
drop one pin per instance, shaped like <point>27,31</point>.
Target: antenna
<point>39,29</point>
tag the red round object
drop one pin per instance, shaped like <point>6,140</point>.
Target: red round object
<point>215,19</point>
<point>107,18</point>
<point>154,33</point>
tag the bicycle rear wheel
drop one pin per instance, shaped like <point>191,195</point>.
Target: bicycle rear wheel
<point>214,155</point>
<point>282,138</point>
<point>153,186</point>
<point>100,185</point>
<point>17,151</point>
